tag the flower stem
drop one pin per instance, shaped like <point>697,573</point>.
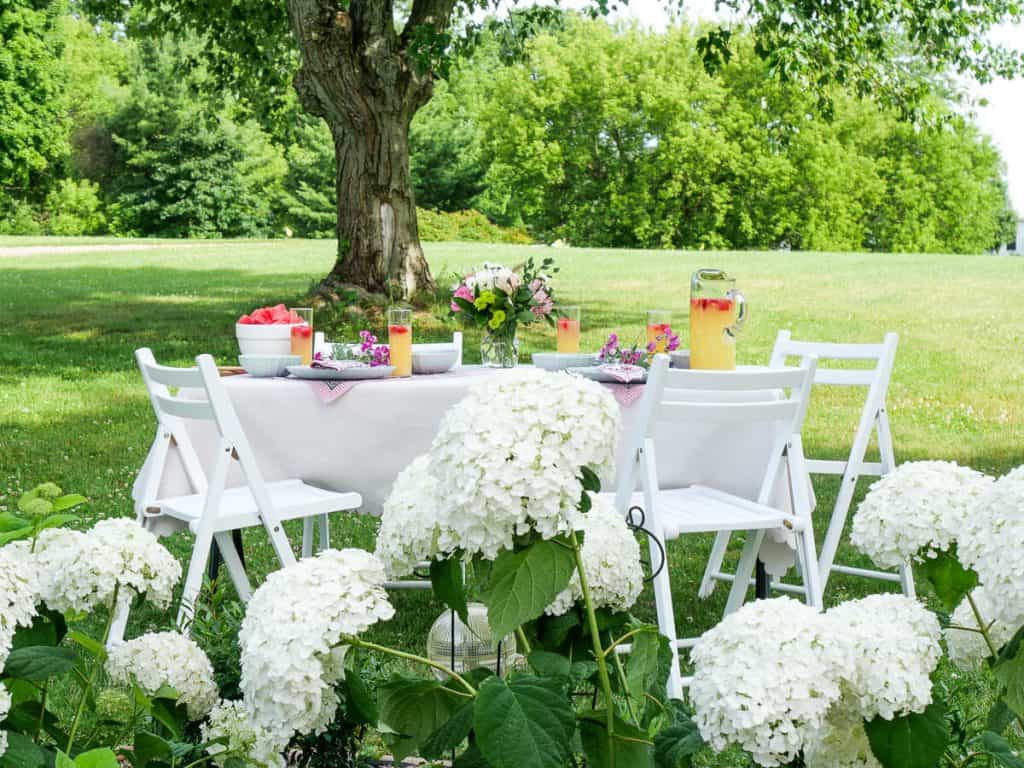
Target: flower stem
<point>621,674</point>
<point>97,663</point>
<point>527,649</point>
<point>595,636</point>
<point>357,643</point>
<point>626,637</point>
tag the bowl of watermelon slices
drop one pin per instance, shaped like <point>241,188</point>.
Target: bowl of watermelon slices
<point>267,331</point>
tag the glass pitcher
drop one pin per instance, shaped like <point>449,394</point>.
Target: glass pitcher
<point>717,312</point>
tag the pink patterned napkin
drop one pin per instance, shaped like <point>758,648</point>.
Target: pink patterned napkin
<point>624,373</point>
<point>329,391</point>
<point>626,394</point>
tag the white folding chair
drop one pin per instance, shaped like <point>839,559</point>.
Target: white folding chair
<point>674,402</point>
<point>320,344</point>
<point>873,418</point>
<point>213,511</point>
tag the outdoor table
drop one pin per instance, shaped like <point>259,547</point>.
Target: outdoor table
<point>363,439</point>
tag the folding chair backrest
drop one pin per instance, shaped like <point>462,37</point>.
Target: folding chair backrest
<point>685,408</point>
<point>875,379</point>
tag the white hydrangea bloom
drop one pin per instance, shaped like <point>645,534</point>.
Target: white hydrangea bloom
<point>230,720</point>
<point>765,678</point>
<point>18,593</point>
<point>967,648</point>
<point>167,658</point>
<point>891,647</point>
<point>292,624</point>
<point>919,508</point>
<point>79,571</point>
<point>841,744</point>
<point>507,458</point>
<point>991,542</point>
<point>410,522</point>
<point>611,559</point>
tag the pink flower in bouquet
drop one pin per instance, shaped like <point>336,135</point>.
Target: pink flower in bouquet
<point>463,291</point>
<point>543,305</point>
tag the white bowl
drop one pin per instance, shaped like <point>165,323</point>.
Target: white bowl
<point>265,366</point>
<point>680,358</point>
<point>264,339</point>
<point>559,361</point>
<point>433,358</point>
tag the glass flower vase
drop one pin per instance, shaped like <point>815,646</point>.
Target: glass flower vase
<point>500,348</point>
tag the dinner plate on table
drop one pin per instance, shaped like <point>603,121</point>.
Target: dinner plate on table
<point>345,374</point>
<point>594,372</point>
<point>560,361</point>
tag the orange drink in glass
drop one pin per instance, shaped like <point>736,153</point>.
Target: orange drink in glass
<point>659,325</point>
<point>568,329</point>
<point>400,340</point>
<point>302,334</point>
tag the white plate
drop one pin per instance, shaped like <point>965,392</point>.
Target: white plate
<point>559,361</point>
<point>594,372</point>
<point>348,374</point>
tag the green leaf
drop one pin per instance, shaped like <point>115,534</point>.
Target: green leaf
<point>449,585</point>
<point>625,749</point>
<point>47,628</point>
<point>1000,751</point>
<point>525,723</point>
<point>56,521</point>
<point>453,732</point>
<point>94,647</point>
<point>148,746</point>
<point>553,631</point>
<point>590,479</point>
<point>27,715</point>
<point>465,305</point>
<point>999,717</point>
<point>678,741</point>
<point>949,578</point>
<point>16,535</point>
<point>39,662</point>
<point>414,708</point>
<point>11,522</point>
<point>471,758</point>
<point>524,583</point>
<point>916,740</point>
<point>97,758</point>
<point>22,752</point>
<point>647,670</point>
<point>171,716</point>
<point>361,706</point>
<point>63,761</point>
<point>548,664</point>
<point>68,501</point>
<point>1009,671</point>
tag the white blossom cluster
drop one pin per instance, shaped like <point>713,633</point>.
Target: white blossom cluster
<point>292,626</point>
<point>507,458</point>
<point>18,593</point>
<point>891,647</point>
<point>167,658</point>
<point>777,677</point>
<point>966,647</point>
<point>919,508</point>
<point>230,720</point>
<point>765,679</point>
<point>79,571</point>
<point>410,523</point>
<point>611,562</point>
<point>494,276</point>
<point>991,542</point>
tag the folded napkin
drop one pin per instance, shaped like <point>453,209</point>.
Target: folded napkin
<point>338,365</point>
<point>625,374</point>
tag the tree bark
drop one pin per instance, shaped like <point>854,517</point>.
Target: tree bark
<point>355,76</point>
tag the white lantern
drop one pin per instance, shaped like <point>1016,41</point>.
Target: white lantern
<point>462,647</point>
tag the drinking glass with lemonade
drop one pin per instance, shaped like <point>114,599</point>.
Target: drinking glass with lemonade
<point>717,313</point>
<point>568,329</point>
<point>302,334</point>
<point>400,340</point>
<point>659,327</point>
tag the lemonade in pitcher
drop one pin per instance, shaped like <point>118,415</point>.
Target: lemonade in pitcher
<point>717,312</point>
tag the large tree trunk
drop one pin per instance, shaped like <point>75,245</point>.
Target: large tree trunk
<point>356,76</point>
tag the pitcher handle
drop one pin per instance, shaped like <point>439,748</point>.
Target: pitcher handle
<point>741,316</point>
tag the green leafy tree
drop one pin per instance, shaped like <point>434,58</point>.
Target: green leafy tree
<point>367,66</point>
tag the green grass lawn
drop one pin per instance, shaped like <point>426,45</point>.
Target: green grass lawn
<point>73,409</point>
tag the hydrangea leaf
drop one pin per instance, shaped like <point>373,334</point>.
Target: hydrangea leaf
<point>1000,751</point>
<point>452,732</point>
<point>414,708</point>
<point>148,746</point>
<point>626,750</point>
<point>1009,670</point>
<point>917,740</point>
<point>23,752</point>
<point>39,662</point>
<point>678,741</point>
<point>647,670</point>
<point>525,723</point>
<point>96,758</point>
<point>948,577</point>
<point>47,628</point>
<point>548,664</point>
<point>449,586</point>
<point>362,707</point>
<point>11,522</point>
<point>68,501</point>
<point>524,583</point>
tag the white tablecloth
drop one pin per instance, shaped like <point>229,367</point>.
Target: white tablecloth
<point>361,441</point>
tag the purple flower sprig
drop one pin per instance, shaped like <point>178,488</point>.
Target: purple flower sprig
<point>368,351</point>
<point>613,353</point>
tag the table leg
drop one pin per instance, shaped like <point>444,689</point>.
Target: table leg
<point>762,582</point>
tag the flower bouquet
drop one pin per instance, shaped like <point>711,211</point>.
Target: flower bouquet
<point>629,363</point>
<point>499,299</point>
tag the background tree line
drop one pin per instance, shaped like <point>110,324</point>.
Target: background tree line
<point>598,135</point>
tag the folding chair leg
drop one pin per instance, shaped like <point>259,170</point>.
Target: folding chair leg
<point>811,577</point>
<point>235,566</point>
<point>718,549</point>
<point>307,537</point>
<point>666,617</point>
<point>324,541</point>
<point>907,581</point>
<point>120,622</point>
<point>194,579</point>
<point>744,571</point>
<point>834,534</point>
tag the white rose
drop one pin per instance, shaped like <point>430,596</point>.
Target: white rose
<point>507,281</point>
<point>484,280</point>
